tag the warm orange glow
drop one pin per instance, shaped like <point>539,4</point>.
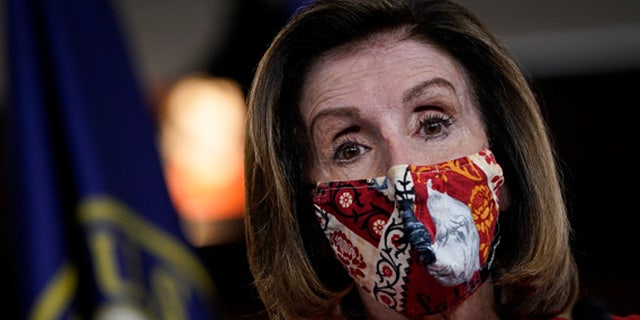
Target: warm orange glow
<point>202,141</point>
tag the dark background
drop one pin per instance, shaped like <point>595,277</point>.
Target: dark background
<point>596,133</point>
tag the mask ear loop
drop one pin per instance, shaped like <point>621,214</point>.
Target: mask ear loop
<point>486,269</point>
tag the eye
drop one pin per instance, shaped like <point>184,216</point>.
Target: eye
<point>434,125</point>
<point>349,151</point>
<point>432,128</point>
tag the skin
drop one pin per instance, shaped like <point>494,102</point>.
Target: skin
<point>391,101</point>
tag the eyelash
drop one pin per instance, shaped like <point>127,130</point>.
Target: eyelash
<point>434,119</point>
<point>346,143</point>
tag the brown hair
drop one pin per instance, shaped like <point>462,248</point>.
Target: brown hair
<point>295,273</point>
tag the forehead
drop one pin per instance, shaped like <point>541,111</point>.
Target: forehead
<point>384,64</point>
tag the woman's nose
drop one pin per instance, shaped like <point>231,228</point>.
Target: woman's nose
<point>400,151</point>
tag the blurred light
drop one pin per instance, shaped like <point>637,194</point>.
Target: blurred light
<point>202,141</point>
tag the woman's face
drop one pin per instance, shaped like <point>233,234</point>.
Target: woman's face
<point>388,102</point>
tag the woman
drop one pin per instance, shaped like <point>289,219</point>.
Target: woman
<point>371,127</point>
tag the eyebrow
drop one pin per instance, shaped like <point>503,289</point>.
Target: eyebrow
<point>349,111</point>
<point>417,90</point>
<point>412,93</point>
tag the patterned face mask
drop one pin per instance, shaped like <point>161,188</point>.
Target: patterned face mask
<point>421,239</point>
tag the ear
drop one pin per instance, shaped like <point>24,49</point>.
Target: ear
<point>504,198</point>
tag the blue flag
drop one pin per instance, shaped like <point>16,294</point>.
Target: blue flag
<point>96,234</point>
